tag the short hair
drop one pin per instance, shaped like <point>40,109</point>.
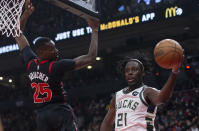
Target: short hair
<point>40,41</point>
<point>145,65</point>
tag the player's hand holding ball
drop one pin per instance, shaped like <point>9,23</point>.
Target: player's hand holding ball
<point>169,54</point>
<point>176,68</point>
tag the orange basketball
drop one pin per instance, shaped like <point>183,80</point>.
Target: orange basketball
<point>168,53</point>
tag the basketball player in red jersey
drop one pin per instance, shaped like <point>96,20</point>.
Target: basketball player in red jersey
<point>45,73</point>
<point>134,107</point>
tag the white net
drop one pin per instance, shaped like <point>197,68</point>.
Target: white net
<point>10,12</point>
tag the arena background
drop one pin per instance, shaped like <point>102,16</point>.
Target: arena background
<point>128,28</point>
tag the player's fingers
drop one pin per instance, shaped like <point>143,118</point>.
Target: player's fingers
<point>32,8</point>
<point>27,3</point>
<point>93,23</point>
<point>88,21</point>
<point>31,5</point>
<point>92,20</point>
<point>183,58</point>
<point>181,62</point>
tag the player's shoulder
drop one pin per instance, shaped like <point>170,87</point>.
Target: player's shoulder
<point>118,92</point>
<point>28,53</point>
<point>64,62</point>
<point>121,92</point>
<point>149,89</point>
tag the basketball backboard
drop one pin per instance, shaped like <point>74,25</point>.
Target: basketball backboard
<point>81,8</point>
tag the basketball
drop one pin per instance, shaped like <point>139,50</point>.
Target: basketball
<point>168,53</point>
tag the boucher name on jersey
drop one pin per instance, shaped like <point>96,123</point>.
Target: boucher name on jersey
<point>38,75</point>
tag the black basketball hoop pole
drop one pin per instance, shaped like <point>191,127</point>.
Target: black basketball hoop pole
<point>78,7</point>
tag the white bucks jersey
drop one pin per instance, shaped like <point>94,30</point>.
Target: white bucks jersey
<point>132,111</point>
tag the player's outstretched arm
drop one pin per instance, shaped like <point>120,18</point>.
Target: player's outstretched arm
<point>21,40</point>
<point>107,123</point>
<point>85,60</point>
<point>157,97</point>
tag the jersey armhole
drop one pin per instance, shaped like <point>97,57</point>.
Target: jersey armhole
<point>50,67</point>
<point>29,63</point>
<point>141,95</point>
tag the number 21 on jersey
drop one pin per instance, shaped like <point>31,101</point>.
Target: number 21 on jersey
<point>121,119</point>
<point>41,89</point>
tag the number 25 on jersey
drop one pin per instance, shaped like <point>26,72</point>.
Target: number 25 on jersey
<point>41,89</point>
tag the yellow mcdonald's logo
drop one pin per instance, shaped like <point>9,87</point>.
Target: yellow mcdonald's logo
<point>170,12</point>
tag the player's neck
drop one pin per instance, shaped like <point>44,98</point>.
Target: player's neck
<point>42,58</point>
<point>133,87</point>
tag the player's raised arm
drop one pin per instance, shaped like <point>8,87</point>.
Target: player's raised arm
<point>107,123</point>
<point>21,39</point>
<point>85,60</point>
<point>157,97</point>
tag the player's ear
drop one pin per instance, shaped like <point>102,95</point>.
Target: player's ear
<point>143,73</point>
<point>38,51</point>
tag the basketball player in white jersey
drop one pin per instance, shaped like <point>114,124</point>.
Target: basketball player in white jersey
<point>134,107</point>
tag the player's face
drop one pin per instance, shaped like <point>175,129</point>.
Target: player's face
<point>51,51</point>
<point>133,73</point>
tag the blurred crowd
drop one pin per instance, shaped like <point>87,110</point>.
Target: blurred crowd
<point>181,113</point>
<point>18,120</point>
